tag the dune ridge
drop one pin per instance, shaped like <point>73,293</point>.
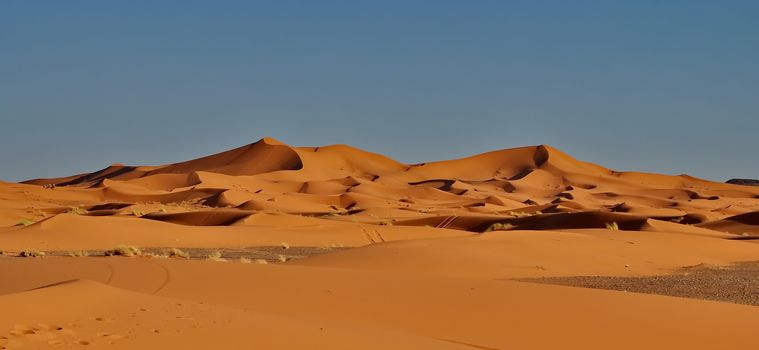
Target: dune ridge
<point>340,182</point>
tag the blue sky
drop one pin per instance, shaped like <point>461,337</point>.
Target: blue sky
<point>657,86</point>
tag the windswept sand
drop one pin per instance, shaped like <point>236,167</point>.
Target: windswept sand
<point>421,256</point>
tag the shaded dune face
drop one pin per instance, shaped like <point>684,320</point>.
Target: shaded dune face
<point>266,155</point>
<point>535,188</point>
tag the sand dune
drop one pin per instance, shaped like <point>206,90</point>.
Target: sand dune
<point>435,248</point>
<point>342,181</point>
<point>747,223</point>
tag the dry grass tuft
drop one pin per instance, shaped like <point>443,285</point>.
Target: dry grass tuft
<point>282,258</point>
<point>245,260</point>
<point>216,256</point>
<point>78,253</point>
<point>612,226</point>
<point>499,226</point>
<point>261,261</point>
<point>29,253</point>
<point>25,222</point>
<point>77,211</point>
<point>285,245</point>
<point>124,250</point>
<point>177,253</point>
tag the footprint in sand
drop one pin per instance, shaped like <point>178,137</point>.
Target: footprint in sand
<point>23,327</point>
<point>82,342</point>
<point>64,330</point>
<point>22,330</point>
<point>109,335</point>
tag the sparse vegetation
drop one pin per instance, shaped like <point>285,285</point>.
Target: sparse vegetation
<point>137,212</point>
<point>282,258</point>
<point>29,253</point>
<point>612,226</point>
<point>285,245</point>
<point>78,253</point>
<point>500,226</point>
<point>216,256</point>
<point>521,214</point>
<point>177,253</point>
<point>124,250</point>
<point>245,260</point>
<point>387,222</point>
<point>25,222</point>
<point>77,211</point>
<point>261,261</point>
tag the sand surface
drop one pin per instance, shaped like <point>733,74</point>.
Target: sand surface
<point>335,247</point>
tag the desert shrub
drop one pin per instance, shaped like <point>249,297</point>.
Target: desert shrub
<point>282,258</point>
<point>124,250</point>
<point>245,260</point>
<point>285,245</point>
<point>612,226</point>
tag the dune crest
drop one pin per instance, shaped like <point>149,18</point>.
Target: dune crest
<point>343,183</point>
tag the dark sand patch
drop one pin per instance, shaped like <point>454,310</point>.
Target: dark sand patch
<point>272,254</point>
<point>738,283</point>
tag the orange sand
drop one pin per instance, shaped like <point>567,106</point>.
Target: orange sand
<point>423,274</point>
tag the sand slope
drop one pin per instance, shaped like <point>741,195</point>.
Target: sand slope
<point>358,307</point>
<point>115,318</point>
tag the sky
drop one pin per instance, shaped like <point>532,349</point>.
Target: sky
<point>656,86</point>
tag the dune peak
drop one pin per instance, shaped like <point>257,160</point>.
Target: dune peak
<point>270,141</point>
